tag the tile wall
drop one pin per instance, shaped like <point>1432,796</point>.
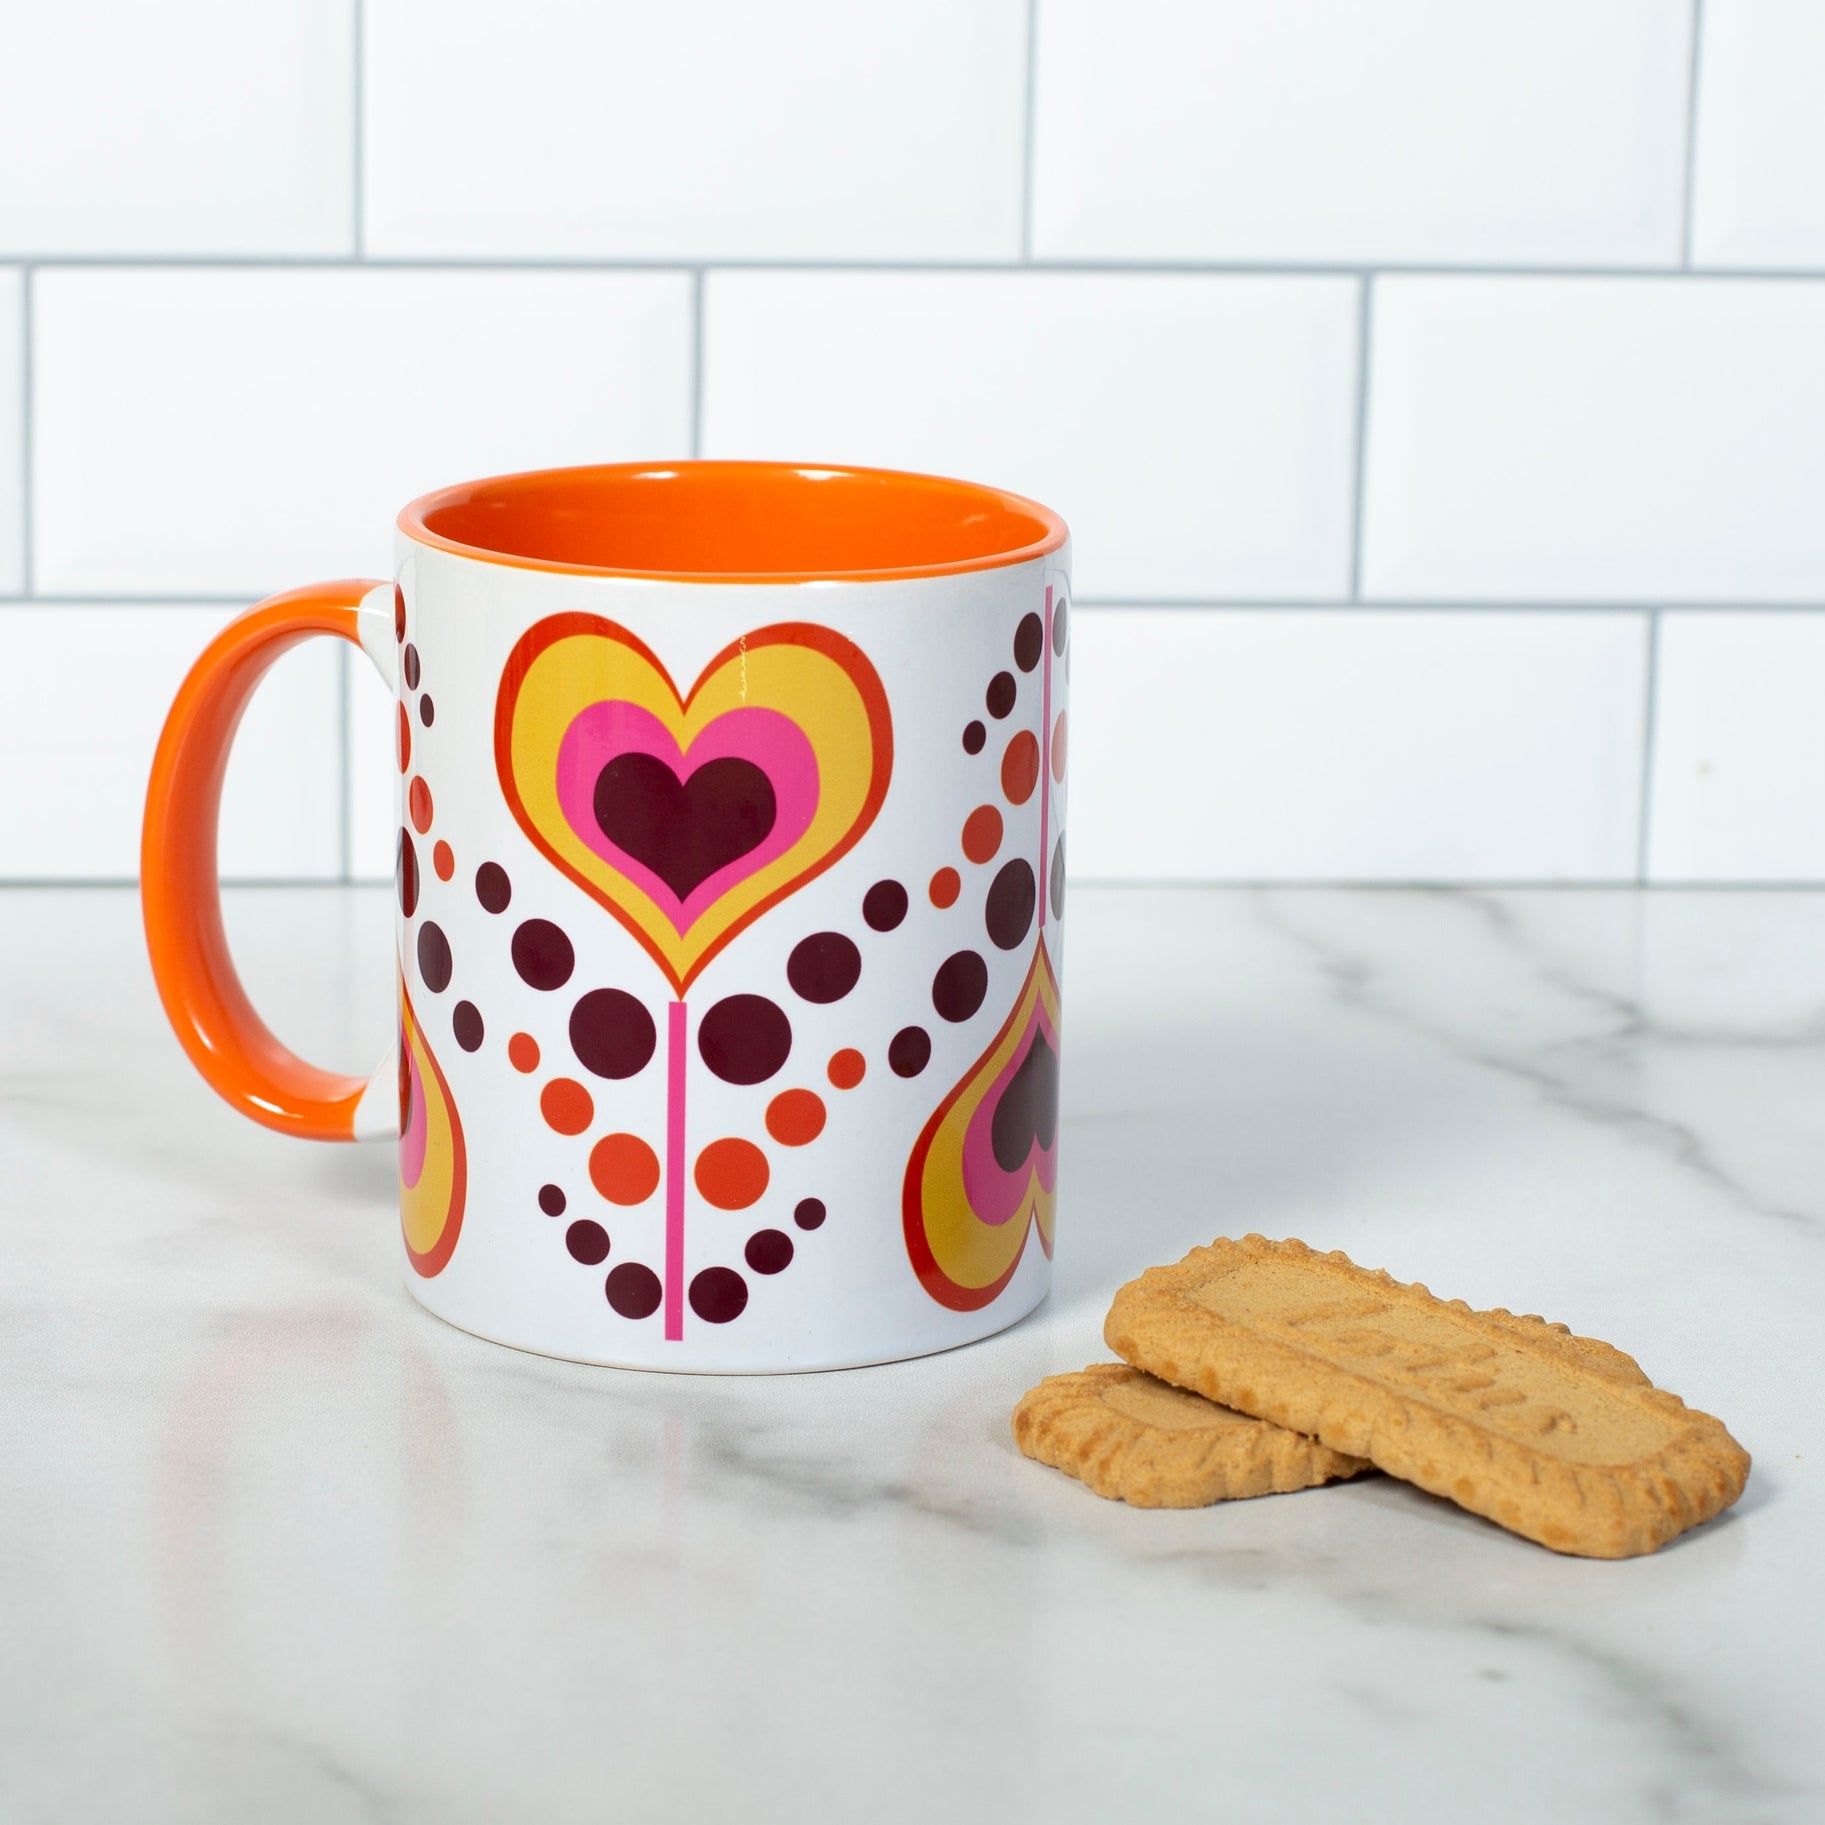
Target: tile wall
<point>1436,392</point>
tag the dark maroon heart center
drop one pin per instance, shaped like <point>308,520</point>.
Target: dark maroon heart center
<point>684,829</point>
<point>1028,1110</point>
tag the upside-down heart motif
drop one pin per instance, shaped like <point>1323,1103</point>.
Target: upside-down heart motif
<point>433,1162</point>
<point>984,1171</point>
<point>688,816</point>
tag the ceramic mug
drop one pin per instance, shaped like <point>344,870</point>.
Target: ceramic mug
<point>730,884</point>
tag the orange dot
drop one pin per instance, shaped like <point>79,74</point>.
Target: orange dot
<point>418,799</point>
<point>981,833</point>
<point>731,1174</point>
<point>945,887</point>
<point>443,861</point>
<point>1020,767</point>
<point>523,1052</point>
<point>795,1117</point>
<point>624,1169</point>
<point>1058,748</point>
<point>847,1068</point>
<point>566,1105</point>
<point>405,739</point>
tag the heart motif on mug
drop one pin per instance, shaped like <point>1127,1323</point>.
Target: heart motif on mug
<point>688,815</point>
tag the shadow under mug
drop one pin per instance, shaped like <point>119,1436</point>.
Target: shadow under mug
<point>730,878</point>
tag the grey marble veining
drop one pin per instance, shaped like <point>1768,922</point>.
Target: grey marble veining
<point>275,1544</point>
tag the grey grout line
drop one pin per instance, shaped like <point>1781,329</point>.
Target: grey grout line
<point>1360,480</point>
<point>344,723</point>
<point>358,220</point>
<point>1455,605</point>
<point>1139,268</point>
<point>1691,169</point>
<point>129,599</point>
<point>1028,129</point>
<point>1649,727</point>
<point>697,290</point>
<point>27,433</point>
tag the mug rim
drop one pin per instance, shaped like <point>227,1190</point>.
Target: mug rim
<point>565,506</point>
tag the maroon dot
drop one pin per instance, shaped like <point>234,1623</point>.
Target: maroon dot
<point>405,873</point>
<point>1013,896</point>
<point>909,1051</point>
<point>745,1039</point>
<point>542,955</point>
<point>466,1019</point>
<point>718,1295</point>
<point>1058,879</point>
<point>1001,694</point>
<point>587,1241</point>
<point>824,967</point>
<point>633,1290</point>
<point>884,905</point>
<point>975,736</point>
<point>612,1034</point>
<point>427,710</point>
<point>959,986</point>
<point>434,961</point>
<point>1029,642</point>
<point>492,887</point>
<point>769,1251</point>
<point>552,1200</point>
<point>411,667</point>
<point>809,1213</point>
<point>1058,627</point>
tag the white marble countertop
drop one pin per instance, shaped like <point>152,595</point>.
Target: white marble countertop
<point>275,1544</point>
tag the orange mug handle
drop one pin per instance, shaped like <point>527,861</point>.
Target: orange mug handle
<point>180,895</point>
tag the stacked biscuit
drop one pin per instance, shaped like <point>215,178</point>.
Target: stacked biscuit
<point>1255,1367</point>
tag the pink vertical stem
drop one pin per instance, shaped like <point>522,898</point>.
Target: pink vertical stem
<point>674,1172</point>
<point>1045,765</point>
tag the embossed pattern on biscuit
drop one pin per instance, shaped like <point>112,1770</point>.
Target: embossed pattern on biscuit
<point>1135,1439</point>
<point>1559,1438</point>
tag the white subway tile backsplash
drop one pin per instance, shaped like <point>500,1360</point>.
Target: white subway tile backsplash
<point>1739,748</point>
<point>1374,745</point>
<point>1758,192</point>
<point>1596,439</point>
<point>804,129</point>
<point>373,774</point>
<point>189,127</point>
<point>223,431</point>
<point>1407,131</point>
<point>1195,431</point>
<point>83,695</point>
<point>12,431</point>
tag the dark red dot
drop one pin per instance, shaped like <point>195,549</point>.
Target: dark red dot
<point>1029,642</point>
<point>745,1039</point>
<point>427,710</point>
<point>824,967</point>
<point>542,955</point>
<point>769,1251</point>
<point>411,663</point>
<point>612,1034</point>
<point>405,873</point>
<point>809,1213</point>
<point>552,1200</point>
<point>587,1241</point>
<point>1058,879</point>
<point>399,613</point>
<point>718,1295</point>
<point>1001,694</point>
<point>975,737</point>
<point>959,986</point>
<point>434,961</point>
<point>492,887</point>
<point>884,905</point>
<point>466,1019</point>
<point>1058,627</point>
<point>909,1051</point>
<point>633,1290</point>
<point>1012,899</point>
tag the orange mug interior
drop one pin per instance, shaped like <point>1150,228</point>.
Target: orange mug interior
<point>726,522</point>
